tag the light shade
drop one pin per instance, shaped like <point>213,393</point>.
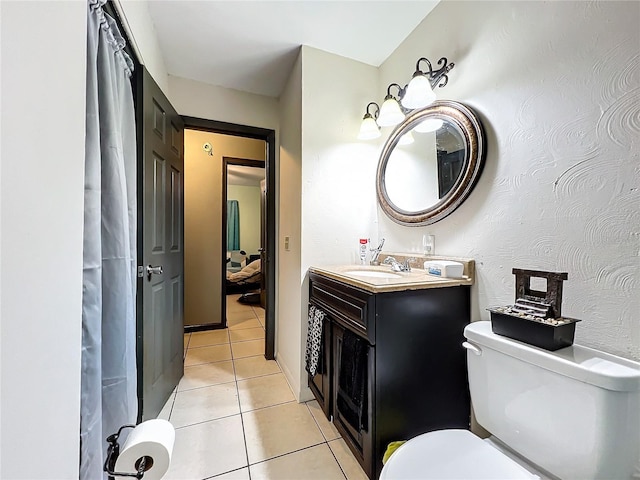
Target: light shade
<point>368,129</point>
<point>429,125</point>
<point>406,139</point>
<point>419,93</point>
<point>390,113</point>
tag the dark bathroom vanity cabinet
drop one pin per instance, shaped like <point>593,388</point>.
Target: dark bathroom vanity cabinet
<point>410,342</point>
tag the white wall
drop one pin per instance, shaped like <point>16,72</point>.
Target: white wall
<point>202,100</point>
<point>337,188</point>
<point>556,85</point>
<point>249,207</point>
<point>41,196</point>
<point>141,30</point>
<point>289,174</point>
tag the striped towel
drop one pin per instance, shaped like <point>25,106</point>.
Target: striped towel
<point>314,339</point>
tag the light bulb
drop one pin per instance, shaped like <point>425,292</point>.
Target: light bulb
<point>368,129</point>
<point>390,113</point>
<point>419,93</point>
<point>406,139</point>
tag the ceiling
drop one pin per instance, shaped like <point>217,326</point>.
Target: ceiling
<point>245,176</point>
<point>252,45</point>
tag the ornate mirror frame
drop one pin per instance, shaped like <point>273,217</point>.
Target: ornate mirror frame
<point>473,136</point>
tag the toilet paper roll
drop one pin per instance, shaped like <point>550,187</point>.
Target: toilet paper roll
<point>153,439</point>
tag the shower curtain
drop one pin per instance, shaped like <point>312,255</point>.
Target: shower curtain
<point>233,225</point>
<point>108,382</point>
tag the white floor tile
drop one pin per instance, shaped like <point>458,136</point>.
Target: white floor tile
<point>207,374</point>
<point>215,353</point>
<point>315,463</point>
<point>274,431</point>
<point>265,391</point>
<point>240,313</point>
<point>208,449</point>
<point>347,461</point>
<point>212,337</point>
<point>327,428</point>
<point>250,367</point>
<point>245,334</point>
<point>247,349</point>
<point>203,404</point>
<point>235,324</point>
<point>242,474</point>
<point>166,410</point>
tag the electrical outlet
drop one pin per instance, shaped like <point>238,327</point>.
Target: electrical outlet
<point>286,243</point>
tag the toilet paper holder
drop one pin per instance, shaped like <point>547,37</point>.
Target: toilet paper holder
<point>113,451</point>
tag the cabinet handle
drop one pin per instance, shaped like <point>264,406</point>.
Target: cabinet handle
<point>470,346</point>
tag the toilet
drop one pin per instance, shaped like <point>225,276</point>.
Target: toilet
<point>569,414</point>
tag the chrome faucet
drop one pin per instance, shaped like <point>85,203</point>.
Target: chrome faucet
<point>375,253</point>
<point>399,267</point>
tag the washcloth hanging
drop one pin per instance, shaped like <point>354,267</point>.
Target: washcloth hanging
<point>314,339</point>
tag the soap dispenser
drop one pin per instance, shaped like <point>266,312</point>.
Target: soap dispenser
<point>429,244</point>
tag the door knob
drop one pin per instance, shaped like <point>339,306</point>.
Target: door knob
<point>153,271</point>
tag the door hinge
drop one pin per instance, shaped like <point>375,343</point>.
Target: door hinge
<point>140,271</point>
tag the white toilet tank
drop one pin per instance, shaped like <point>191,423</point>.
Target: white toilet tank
<point>574,412</point>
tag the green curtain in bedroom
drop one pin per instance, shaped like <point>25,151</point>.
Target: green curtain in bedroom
<point>233,225</point>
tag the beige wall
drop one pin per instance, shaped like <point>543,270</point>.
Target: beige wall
<point>203,220</point>
<point>249,205</point>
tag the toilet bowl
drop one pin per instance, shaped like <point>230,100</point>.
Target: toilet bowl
<point>569,414</point>
<point>455,454</point>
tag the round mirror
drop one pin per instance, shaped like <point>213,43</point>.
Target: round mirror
<point>430,163</point>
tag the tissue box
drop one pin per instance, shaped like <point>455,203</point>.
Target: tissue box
<point>444,268</point>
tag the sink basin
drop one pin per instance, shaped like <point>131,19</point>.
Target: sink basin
<point>372,273</point>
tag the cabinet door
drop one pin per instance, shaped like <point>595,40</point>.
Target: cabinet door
<point>356,430</point>
<point>320,383</point>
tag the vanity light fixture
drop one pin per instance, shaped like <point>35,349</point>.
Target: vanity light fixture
<point>390,111</point>
<point>406,139</point>
<point>369,128</point>
<point>419,93</point>
<point>429,125</point>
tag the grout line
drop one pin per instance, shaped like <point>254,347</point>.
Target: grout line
<point>268,406</point>
<point>293,451</point>
<point>204,386</point>
<point>224,473</point>
<point>337,461</point>
<point>244,433</point>
<point>206,421</point>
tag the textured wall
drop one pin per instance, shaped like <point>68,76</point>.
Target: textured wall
<point>557,86</point>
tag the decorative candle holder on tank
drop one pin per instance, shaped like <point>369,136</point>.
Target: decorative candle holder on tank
<point>536,317</point>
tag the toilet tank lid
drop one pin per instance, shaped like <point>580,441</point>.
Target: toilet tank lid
<point>581,363</point>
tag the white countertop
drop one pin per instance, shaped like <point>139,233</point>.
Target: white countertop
<point>386,280</point>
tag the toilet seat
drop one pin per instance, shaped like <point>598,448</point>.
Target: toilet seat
<point>451,454</point>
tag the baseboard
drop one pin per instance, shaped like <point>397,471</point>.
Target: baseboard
<point>204,327</point>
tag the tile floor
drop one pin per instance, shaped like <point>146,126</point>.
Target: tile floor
<point>236,417</point>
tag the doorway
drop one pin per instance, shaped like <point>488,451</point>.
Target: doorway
<point>268,242</point>
<point>244,230</point>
